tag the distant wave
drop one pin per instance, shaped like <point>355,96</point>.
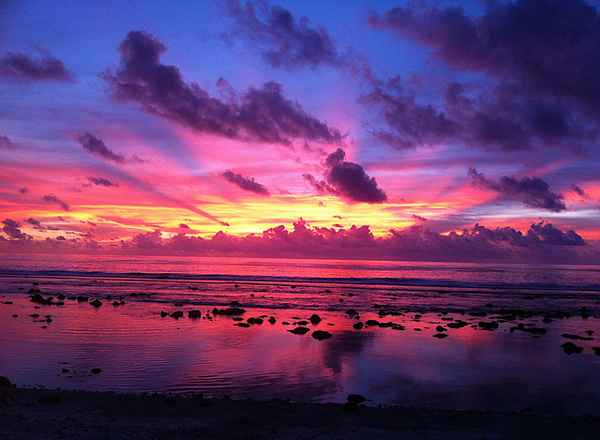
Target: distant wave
<point>367,281</point>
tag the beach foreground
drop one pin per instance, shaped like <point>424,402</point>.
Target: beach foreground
<point>52,414</point>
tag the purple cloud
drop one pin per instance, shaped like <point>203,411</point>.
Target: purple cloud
<point>262,114</point>
<point>284,41</point>
<point>531,191</point>
<point>246,183</point>
<point>97,147</point>
<point>350,180</point>
<point>12,229</point>
<point>51,198</point>
<point>18,65</point>
<point>101,181</point>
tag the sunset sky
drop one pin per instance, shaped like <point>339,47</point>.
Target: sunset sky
<point>144,124</point>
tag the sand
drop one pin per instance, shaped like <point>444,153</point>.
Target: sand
<point>49,414</point>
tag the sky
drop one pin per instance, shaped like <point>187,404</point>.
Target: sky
<point>384,129</point>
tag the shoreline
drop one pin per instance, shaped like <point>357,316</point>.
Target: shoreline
<point>27,413</point>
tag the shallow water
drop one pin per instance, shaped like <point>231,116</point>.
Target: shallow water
<point>140,351</point>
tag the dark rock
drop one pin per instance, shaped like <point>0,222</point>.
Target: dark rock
<point>372,322</point>
<point>96,370</point>
<point>272,320</point>
<point>302,322</point>
<point>356,399</point>
<point>576,337</point>
<point>596,350</point>
<point>570,348</point>
<point>61,297</point>
<point>398,327</point>
<point>96,303</point>
<point>315,319</point>
<point>177,315</point>
<point>536,331</point>
<point>163,314</point>
<point>478,313</point>
<point>242,324</point>
<point>237,318</point>
<point>441,329</point>
<point>351,313</point>
<point>320,335</point>
<point>254,321</point>
<point>36,298</point>
<point>229,311</point>
<point>194,314</point>
<point>358,325</point>
<point>299,330</point>
<point>491,325</point>
<point>15,316</point>
<point>7,302</point>
<point>457,324</point>
<point>4,382</point>
<point>440,335</point>
<point>82,298</point>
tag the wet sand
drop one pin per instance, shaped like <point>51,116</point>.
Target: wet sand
<point>33,414</point>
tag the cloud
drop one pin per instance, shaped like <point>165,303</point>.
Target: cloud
<point>284,41</point>
<point>320,186</point>
<point>540,57</point>
<point>45,68</point>
<point>6,143</point>
<point>97,147</point>
<point>262,114</point>
<point>246,183</point>
<point>350,181</point>
<point>101,181</point>
<point>531,191</point>
<point>12,229</point>
<point>51,198</point>
<point>23,190</point>
<point>34,222</point>
<point>579,191</point>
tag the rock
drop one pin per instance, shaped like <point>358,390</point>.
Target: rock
<point>15,316</point>
<point>82,298</point>
<point>194,314</point>
<point>398,327</point>
<point>229,311</point>
<point>163,314</point>
<point>576,337</point>
<point>441,329</point>
<point>4,382</point>
<point>272,320</point>
<point>537,331</point>
<point>116,303</point>
<point>358,325</point>
<point>570,348</point>
<point>96,370</point>
<point>315,319</point>
<point>61,297</point>
<point>237,318</point>
<point>589,332</point>
<point>596,350</point>
<point>242,324</point>
<point>457,324</point>
<point>36,298</point>
<point>177,315</point>
<point>302,322</point>
<point>372,322</point>
<point>440,335</point>
<point>254,321</point>
<point>356,399</point>
<point>7,302</point>
<point>321,335</point>
<point>64,370</point>
<point>491,325</point>
<point>351,313</point>
<point>299,330</point>
<point>96,303</point>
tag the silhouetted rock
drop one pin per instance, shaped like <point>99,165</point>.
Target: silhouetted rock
<point>358,325</point>
<point>96,303</point>
<point>457,324</point>
<point>61,297</point>
<point>82,298</point>
<point>398,327</point>
<point>576,337</point>
<point>242,324</point>
<point>570,348</point>
<point>163,314</point>
<point>320,335</point>
<point>441,329</point>
<point>4,382</point>
<point>356,399</point>
<point>491,325</point>
<point>272,320</point>
<point>299,330</point>
<point>254,321</point>
<point>177,315</point>
<point>315,319</point>
<point>440,335</point>
<point>194,314</point>
<point>596,350</point>
<point>229,311</point>
<point>96,370</point>
<point>351,313</point>
<point>537,331</point>
<point>373,322</point>
<point>36,298</point>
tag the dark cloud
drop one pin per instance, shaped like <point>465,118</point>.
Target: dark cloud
<point>579,191</point>
<point>531,191</point>
<point>6,143</point>
<point>262,114</point>
<point>51,198</point>
<point>350,180</point>
<point>96,146</point>
<point>284,41</point>
<point>246,183</point>
<point>320,186</point>
<point>101,181</point>
<point>541,56</point>
<point>12,229</point>
<point>18,65</point>
<point>23,190</point>
<point>34,222</point>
